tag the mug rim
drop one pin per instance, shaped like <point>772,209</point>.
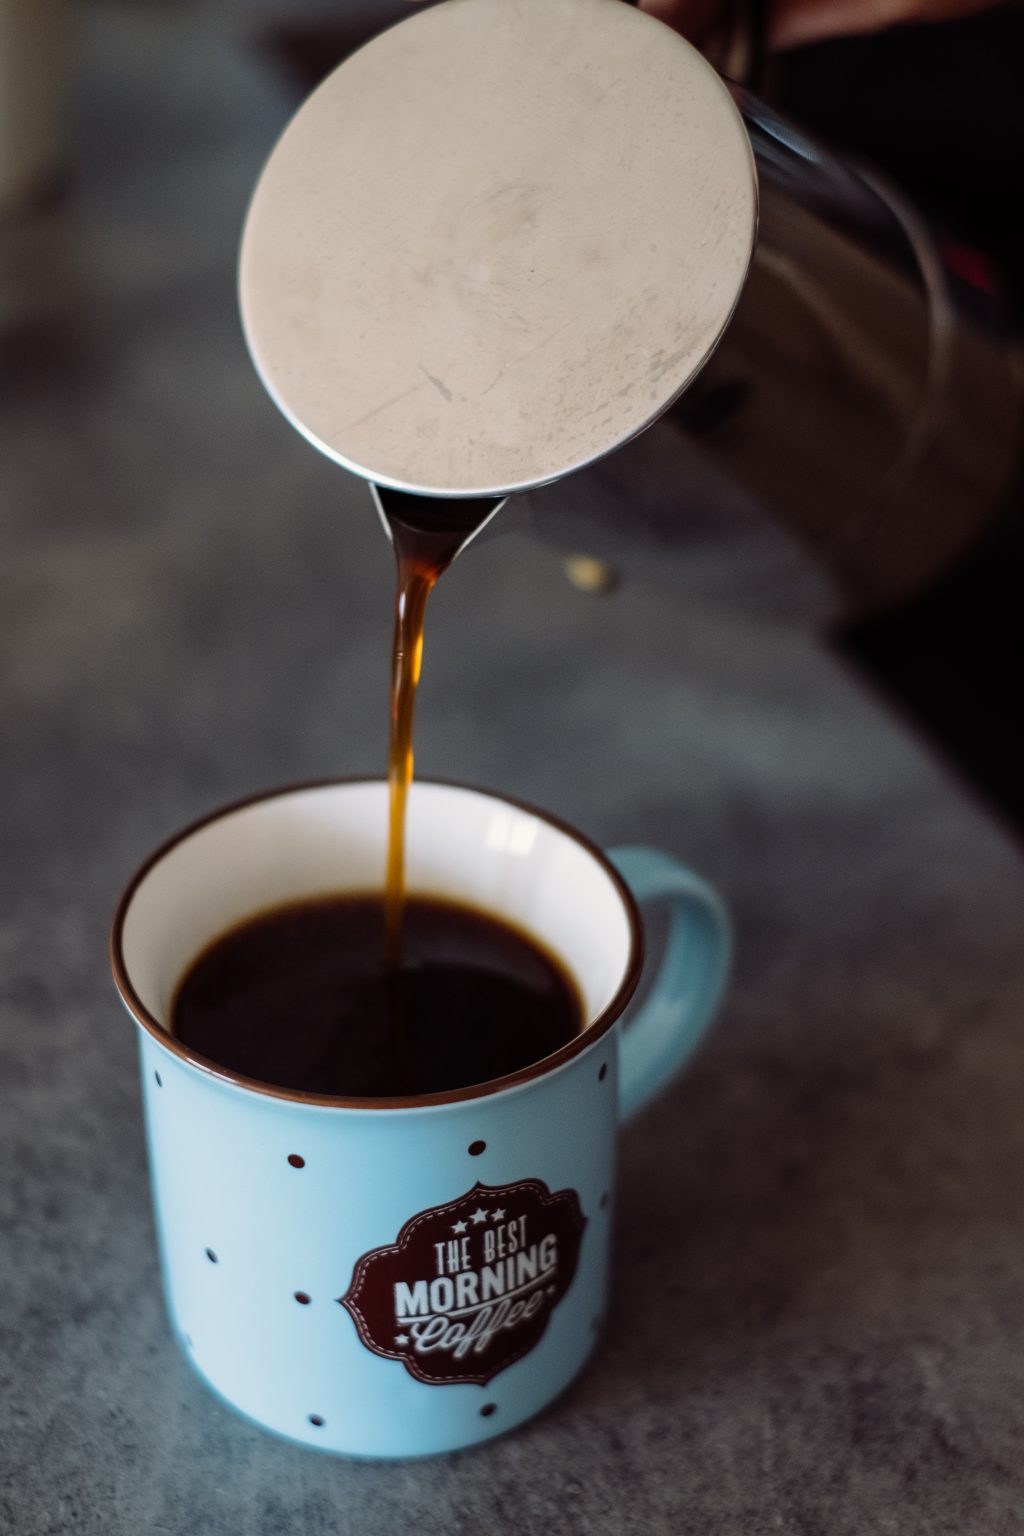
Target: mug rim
<point>587,1036</point>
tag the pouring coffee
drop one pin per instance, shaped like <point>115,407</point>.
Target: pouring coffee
<point>494,245</point>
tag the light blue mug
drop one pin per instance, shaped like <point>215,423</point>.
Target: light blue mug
<point>404,1277</point>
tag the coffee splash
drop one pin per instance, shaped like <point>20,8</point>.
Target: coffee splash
<point>427,533</point>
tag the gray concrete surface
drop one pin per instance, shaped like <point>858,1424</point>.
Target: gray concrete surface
<point>820,1284</point>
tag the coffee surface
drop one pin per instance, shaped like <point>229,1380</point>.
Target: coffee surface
<point>302,998</point>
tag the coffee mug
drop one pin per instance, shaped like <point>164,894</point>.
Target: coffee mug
<point>402,1277</point>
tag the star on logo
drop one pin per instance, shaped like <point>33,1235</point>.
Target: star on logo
<point>498,1215</point>
<point>478,1216</point>
<point>401,1338</point>
<point>458,1226</point>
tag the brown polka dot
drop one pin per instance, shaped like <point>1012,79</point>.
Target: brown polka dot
<point>603,1072</point>
<point>488,1409</point>
<point>476,1147</point>
<point>316,1420</point>
<point>159,1079</point>
<point>603,1202</point>
<point>212,1256</point>
<point>302,1298</point>
<point>296,1161</point>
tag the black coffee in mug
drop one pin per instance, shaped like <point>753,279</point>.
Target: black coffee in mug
<point>301,997</point>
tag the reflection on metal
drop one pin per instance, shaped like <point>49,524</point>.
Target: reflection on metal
<point>471,513</point>
<point>854,402</point>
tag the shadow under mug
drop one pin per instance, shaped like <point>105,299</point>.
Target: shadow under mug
<point>407,1276</point>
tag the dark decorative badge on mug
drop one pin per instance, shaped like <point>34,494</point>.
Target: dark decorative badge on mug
<point>468,1287</point>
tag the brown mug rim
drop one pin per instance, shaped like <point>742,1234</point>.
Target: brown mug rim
<point>587,1036</point>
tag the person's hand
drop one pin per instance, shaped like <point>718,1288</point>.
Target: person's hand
<point>791,23</point>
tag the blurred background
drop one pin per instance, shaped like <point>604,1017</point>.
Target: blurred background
<point>130,135</point>
<point>779,636</point>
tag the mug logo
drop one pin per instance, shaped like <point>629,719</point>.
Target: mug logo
<point>468,1287</point>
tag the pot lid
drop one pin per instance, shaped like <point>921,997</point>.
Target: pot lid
<point>497,242</point>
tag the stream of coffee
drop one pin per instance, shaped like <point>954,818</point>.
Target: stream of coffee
<point>427,533</point>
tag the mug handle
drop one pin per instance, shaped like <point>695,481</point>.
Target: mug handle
<point>661,1035</point>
